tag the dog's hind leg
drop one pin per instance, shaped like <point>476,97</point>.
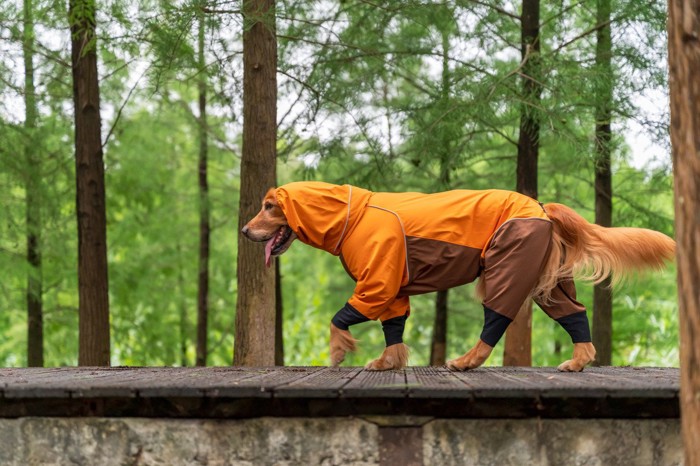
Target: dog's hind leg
<point>571,315</point>
<point>512,263</point>
<point>584,353</point>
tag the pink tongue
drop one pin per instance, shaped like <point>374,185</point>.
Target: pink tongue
<point>268,250</point>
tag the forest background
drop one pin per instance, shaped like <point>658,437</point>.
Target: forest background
<point>394,96</point>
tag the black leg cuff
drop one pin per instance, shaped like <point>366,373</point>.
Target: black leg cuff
<point>576,325</point>
<point>495,325</point>
<point>348,316</point>
<point>393,329</point>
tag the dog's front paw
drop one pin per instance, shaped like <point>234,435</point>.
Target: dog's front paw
<point>379,364</point>
<point>462,364</point>
<point>340,343</point>
<point>393,357</point>
<point>337,357</point>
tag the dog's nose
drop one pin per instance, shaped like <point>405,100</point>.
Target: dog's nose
<point>245,230</point>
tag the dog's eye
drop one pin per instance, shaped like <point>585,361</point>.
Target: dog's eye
<point>268,206</point>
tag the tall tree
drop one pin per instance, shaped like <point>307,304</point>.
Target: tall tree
<point>254,341</point>
<point>35,324</point>
<point>684,64</point>
<point>204,228</point>
<point>438,345</point>
<point>94,341</point>
<point>518,346</point>
<point>279,315</point>
<point>602,293</point>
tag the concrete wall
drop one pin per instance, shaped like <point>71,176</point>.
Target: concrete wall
<point>334,441</point>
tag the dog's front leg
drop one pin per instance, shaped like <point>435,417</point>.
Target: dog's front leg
<point>341,342</point>
<point>495,325</point>
<point>472,359</point>
<point>395,355</point>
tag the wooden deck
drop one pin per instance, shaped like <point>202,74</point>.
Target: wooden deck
<point>234,392</point>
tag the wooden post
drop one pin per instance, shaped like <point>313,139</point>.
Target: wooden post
<point>684,68</point>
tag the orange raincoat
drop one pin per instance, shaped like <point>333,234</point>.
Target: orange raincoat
<point>399,244</point>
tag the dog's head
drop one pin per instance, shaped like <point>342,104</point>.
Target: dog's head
<point>270,225</point>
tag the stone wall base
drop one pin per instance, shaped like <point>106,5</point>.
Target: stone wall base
<point>338,441</point>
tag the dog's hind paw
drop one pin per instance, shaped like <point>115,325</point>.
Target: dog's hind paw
<point>455,366</point>
<point>570,366</point>
<point>584,353</point>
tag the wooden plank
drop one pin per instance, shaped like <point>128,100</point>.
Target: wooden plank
<point>234,392</point>
<point>378,384</point>
<point>435,382</point>
<point>487,383</point>
<point>45,382</point>
<point>145,382</point>
<point>124,382</point>
<point>262,384</point>
<point>325,383</point>
<point>637,381</point>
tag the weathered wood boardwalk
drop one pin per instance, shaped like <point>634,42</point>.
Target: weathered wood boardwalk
<point>234,392</point>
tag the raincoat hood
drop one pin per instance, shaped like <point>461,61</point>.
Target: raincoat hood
<point>322,215</point>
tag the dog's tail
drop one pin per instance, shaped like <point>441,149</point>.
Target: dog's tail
<point>592,252</point>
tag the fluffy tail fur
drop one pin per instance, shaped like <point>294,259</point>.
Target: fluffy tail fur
<point>592,252</point>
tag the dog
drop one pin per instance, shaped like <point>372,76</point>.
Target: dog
<point>395,245</point>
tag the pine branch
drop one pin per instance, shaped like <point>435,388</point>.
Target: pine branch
<point>586,33</point>
<point>220,12</point>
<point>498,9</point>
<point>121,108</point>
<point>561,12</point>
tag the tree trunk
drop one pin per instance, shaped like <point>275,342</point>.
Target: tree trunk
<point>518,346</point>
<point>279,315</point>
<point>204,229</point>
<point>602,293</point>
<point>684,65</point>
<point>89,169</point>
<point>438,347</point>
<point>254,343</point>
<point>183,323</point>
<point>438,344</point>
<point>35,324</point>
